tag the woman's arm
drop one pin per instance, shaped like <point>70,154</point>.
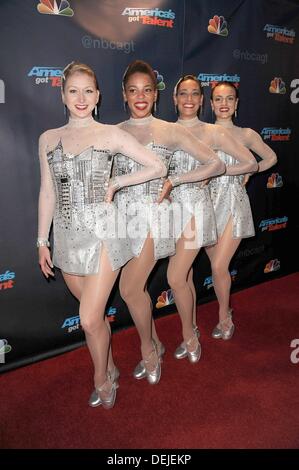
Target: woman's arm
<point>254,141</point>
<point>127,145</point>
<point>46,207</point>
<point>210,166</point>
<point>223,140</point>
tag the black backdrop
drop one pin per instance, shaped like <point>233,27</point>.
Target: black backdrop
<point>251,42</point>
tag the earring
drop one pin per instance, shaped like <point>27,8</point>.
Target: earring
<point>176,109</point>
<point>155,107</point>
<point>235,112</point>
<point>65,110</point>
<point>96,110</point>
<point>125,106</point>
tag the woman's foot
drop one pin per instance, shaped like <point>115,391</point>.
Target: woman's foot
<point>105,395</point>
<point>181,350</point>
<point>139,371</point>
<point>152,364</point>
<point>193,348</point>
<point>225,328</point>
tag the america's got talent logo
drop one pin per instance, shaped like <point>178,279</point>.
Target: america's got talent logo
<point>277,223</point>
<point>208,282</point>
<point>7,280</point>
<point>212,79</point>
<point>153,17</point>
<point>280,33</point>
<point>276,133</point>
<point>71,323</point>
<point>55,7</point>
<point>46,75</point>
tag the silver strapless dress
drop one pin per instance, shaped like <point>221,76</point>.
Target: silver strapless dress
<point>230,198</point>
<point>143,214</point>
<point>191,200</point>
<point>83,222</point>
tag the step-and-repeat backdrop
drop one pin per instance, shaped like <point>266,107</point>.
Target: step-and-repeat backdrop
<point>253,43</point>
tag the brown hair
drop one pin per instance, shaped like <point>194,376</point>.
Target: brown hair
<point>183,79</point>
<point>139,66</point>
<point>232,85</point>
<point>75,67</point>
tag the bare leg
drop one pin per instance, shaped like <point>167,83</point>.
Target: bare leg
<point>134,292</point>
<point>75,285</point>
<point>94,295</point>
<point>220,256</point>
<point>178,274</point>
<point>192,288</point>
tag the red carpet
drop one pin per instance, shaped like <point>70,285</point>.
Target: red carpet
<point>242,394</point>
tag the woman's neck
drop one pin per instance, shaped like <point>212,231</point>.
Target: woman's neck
<point>141,121</point>
<point>190,122</point>
<point>228,123</point>
<point>80,122</point>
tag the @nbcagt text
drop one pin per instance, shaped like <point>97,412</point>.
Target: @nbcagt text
<point>154,459</point>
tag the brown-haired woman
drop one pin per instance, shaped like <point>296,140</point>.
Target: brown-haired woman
<point>230,201</point>
<point>194,201</point>
<point>164,138</point>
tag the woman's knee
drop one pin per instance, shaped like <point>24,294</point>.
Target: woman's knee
<point>130,290</point>
<point>176,280</point>
<point>219,268</point>
<point>91,323</point>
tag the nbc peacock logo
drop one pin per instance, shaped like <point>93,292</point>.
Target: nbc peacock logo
<point>218,25</point>
<point>277,86</point>
<point>165,298</point>
<point>274,181</point>
<point>160,81</point>
<point>55,7</point>
<point>273,265</point>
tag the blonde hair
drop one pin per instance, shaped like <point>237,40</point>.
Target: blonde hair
<point>77,67</point>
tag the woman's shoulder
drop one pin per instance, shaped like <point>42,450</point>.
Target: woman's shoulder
<point>50,134</point>
<point>247,133</point>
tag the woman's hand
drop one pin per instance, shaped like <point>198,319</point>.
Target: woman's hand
<point>45,262</point>
<point>112,188</point>
<point>166,190</point>
<point>246,179</point>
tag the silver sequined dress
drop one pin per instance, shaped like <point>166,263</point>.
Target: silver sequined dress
<point>82,221</point>
<point>230,198</point>
<point>191,199</point>
<point>164,138</point>
<point>138,204</point>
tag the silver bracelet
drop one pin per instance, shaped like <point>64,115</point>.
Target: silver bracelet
<point>175,180</point>
<point>42,242</point>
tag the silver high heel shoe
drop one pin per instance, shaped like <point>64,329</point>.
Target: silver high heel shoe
<point>193,356</point>
<point>140,372</point>
<point>153,377</point>
<point>95,398</point>
<point>219,332</point>
<point>181,350</point>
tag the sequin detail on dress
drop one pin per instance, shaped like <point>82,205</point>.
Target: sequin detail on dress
<point>191,199</point>
<point>229,198</point>
<point>139,203</point>
<point>82,220</point>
